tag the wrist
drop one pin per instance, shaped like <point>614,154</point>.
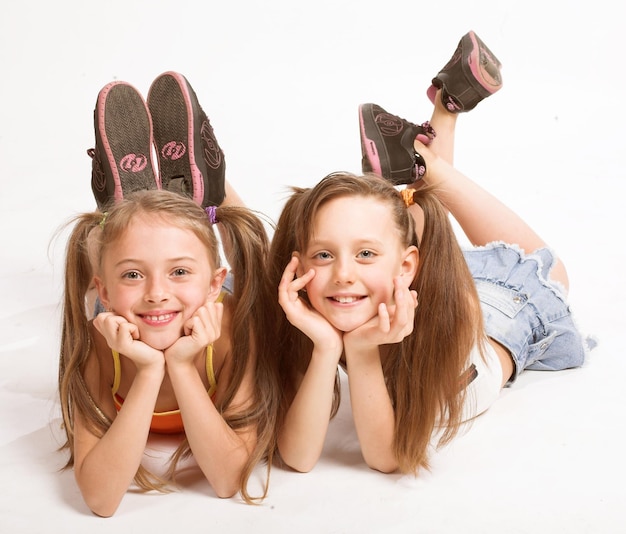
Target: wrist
<point>362,356</point>
<point>331,353</point>
<point>153,370</point>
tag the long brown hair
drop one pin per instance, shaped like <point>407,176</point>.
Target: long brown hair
<point>247,253</point>
<point>423,372</point>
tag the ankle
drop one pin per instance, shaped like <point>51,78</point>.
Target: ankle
<point>441,112</point>
<point>434,167</point>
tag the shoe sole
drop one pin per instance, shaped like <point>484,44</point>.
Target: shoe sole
<point>373,126</point>
<point>470,64</point>
<point>124,133</point>
<point>176,115</point>
<point>370,140</point>
<point>480,49</point>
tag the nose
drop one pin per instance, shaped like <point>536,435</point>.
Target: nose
<point>156,291</point>
<point>344,271</point>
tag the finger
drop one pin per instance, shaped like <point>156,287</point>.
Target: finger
<point>290,270</point>
<point>206,321</point>
<point>384,322</point>
<point>289,286</point>
<point>133,330</point>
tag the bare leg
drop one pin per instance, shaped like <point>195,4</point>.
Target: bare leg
<point>444,124</point>
<point>482,216</point>
<point>231,198</point>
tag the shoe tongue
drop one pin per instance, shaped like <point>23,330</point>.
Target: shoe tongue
<point>177,184</point>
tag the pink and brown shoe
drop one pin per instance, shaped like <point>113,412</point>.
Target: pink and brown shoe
<point>387,145</point>
<point>191,161</point>
<point>471,75</point>
<point>122,157</point>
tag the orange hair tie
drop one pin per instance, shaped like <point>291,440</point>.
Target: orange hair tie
<point>407,196</point>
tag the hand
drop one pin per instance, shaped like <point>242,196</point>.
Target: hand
<point>123,337</point>
<point>300,314</point>
<point>392,324</point>
<point>200,330</point>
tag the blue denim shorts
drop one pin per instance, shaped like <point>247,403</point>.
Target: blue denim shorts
<point>523,310</point>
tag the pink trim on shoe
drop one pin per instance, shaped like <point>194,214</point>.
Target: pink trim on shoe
<point>100,113</point>
<point>128,162</point>
<point>196,175</point>
<point>473,61</point>
<point>369,146</point>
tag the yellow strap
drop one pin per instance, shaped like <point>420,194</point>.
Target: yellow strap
<point>209,370</point>
<point>208,364</point>
<point>117,372</point>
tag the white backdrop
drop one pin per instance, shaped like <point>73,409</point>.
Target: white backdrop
<point>281,82</point>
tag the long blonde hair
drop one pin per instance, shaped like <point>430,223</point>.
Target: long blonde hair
<point>423,372</point>
<point>248,252</point>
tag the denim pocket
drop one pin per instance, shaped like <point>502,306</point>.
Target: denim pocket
<point>506,300</point>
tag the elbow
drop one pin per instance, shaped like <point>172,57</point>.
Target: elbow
<point>298,462</point>
<point>225,492</point>
<point>384,465</point>
<point>301,466</point>
<point>225,488</point>
<point>102,508</point>
<point>99,503</point>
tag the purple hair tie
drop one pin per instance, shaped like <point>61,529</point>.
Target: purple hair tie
<point>211,212</point>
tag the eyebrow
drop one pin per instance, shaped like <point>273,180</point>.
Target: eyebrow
<point>315,242</point>
<point>180,259</point>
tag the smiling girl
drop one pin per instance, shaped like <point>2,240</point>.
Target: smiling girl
<point>373,279</point>
<point>173,352</point>
<point>170,350</point>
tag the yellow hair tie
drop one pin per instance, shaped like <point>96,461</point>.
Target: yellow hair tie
<point>104,218</point>
<point>407,196</point>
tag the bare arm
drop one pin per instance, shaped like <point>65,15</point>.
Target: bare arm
<point>104,467</point>
<point>372,408</point>
<point>221,452</point>
<point>302,436</point>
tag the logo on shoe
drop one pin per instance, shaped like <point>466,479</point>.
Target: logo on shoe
<point>173,150</point>
<point>211,150</point>
<point>133,163</point>
<point>389,124</point>
<point>98,178</point>
<point>452,104</point>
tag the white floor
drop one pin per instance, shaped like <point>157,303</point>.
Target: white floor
<point>281,83</point>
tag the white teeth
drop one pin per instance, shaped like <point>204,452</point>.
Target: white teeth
<point>158,317</point>
<point>345,300</point>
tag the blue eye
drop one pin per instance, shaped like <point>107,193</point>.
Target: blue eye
<point>323,255</point>
<point>366,254</point>
<point>131,275</point>
<point>180,272</point>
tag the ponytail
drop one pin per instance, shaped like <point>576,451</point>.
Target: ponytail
<point>75,337</point>
<point>246,246</point>
<point>426,371</point>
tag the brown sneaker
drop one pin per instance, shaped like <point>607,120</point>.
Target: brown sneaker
<point>191,161</point>
<point>471,75</point>
<point>122,157</point>
<point>387,145</point>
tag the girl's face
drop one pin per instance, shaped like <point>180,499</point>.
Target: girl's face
<point>356,253</point>
<point>156,276</point>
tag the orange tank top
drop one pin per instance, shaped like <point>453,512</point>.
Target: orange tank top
<point>170,422</point>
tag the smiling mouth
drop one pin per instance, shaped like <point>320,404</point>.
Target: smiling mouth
<point>161,318</point>
<point>346,300</point>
